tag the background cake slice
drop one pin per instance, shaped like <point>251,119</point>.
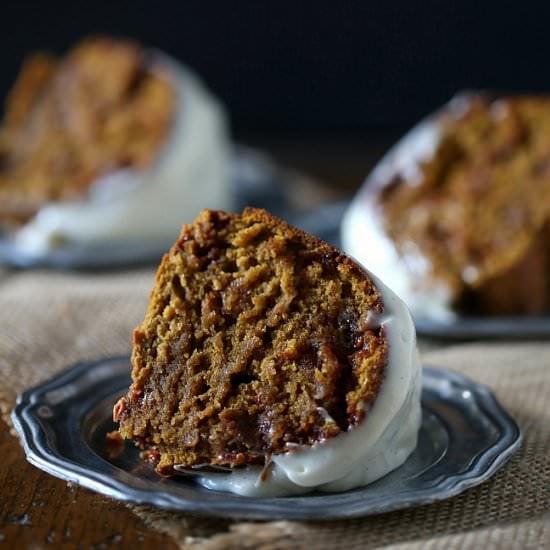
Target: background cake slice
<point>261,343</point>
<point>68,121</point>
<point>456,218</point>
<point>104,144</point>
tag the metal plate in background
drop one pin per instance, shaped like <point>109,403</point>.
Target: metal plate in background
<point>465,438</point>
<point>483,328</point>
<point>108,256</point>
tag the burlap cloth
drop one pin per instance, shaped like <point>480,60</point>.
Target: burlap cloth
<point>50,320</point>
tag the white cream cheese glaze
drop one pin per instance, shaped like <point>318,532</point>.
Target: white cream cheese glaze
<point>190,173</point>
<point>364,238</point>
<point>381,443</point>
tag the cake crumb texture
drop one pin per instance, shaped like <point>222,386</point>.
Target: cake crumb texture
<point>258,338</point>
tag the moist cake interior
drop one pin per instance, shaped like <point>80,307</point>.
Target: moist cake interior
<point>258,338</point>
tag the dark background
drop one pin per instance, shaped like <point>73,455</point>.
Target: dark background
<point>312,68</point>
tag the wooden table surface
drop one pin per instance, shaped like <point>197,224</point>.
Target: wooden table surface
<point>40,511</point>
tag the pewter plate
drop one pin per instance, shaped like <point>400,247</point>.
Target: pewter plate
<point>477,328</point>
<point>465,438</point>
<point>84,257</point>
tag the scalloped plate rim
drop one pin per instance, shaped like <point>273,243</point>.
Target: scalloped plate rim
<point>41,455</point>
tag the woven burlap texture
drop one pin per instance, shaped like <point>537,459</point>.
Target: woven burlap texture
<point>50,320</point>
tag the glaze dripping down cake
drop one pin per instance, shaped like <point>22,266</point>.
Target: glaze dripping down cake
<point>261,347</point>
<point>456,218</point>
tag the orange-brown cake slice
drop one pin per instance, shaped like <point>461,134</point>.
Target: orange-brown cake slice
<point>261,341</point>
<point>456,218</point>
<point>102,107</point>
<point>110,144</point>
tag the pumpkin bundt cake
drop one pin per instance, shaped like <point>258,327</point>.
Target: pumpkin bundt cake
<point>267,351</point>
<point>456,218</point>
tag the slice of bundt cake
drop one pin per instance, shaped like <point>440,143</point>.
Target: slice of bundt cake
<point>259,341</point>
<point>102,107</point>
<point>101,148</point>
<point>457,216</point>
